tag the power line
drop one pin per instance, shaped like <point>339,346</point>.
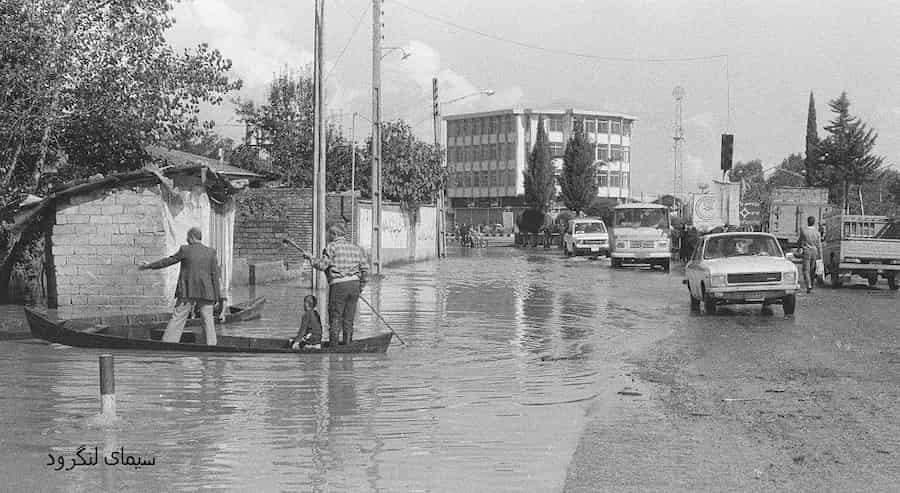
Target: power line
<point>349,40</point>
<point>523,44</point>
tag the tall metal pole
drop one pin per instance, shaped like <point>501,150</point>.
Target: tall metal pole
<point>353,157</point>
<point>318,280</point>
<point>441,219</point>
<point>376,136</point>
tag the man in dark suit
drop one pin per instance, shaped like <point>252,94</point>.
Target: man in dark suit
<point>198,285</point>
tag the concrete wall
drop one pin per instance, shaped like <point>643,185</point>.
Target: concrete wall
<point>402,240</point>
<point>98,241</point>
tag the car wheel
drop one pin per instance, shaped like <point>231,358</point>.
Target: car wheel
<point>892,282</point>
<point>789,304</point>
<point>836,281</point>
<point>616,263</point>
<point>709,304</point>
<point>695,303</point>
<point>872,279</point>
<point>665,265</point>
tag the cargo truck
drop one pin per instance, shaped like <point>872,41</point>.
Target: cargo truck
<point>788,209</point>
<point>868,246</point>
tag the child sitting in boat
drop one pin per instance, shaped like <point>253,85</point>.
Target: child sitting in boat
<point>310,334</point>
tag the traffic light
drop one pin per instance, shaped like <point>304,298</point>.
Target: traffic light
<point>435,106</point>
<point>727,151</point>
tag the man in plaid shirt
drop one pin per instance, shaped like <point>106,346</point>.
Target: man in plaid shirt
<point>346,266</point>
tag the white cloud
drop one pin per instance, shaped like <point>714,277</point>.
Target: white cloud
<point>705,121</point>
<point>256,52</point>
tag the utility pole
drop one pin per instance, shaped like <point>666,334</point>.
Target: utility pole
<point>318,243</point>
<point>436,112</point>
<point>678,182</point>
<point>376,137</point>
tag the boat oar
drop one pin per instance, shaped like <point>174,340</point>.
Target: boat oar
<point>291,243</point>
<point>382,318</point>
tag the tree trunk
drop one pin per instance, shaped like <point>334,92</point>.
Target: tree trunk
<point>862,206</point>
<point>12,167</point>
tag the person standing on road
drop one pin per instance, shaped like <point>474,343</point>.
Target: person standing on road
<point>198,285</point>
<point>346,266</point>
<point>811,244</point>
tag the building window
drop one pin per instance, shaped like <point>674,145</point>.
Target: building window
<point>614,178</point>
<point>590,127</point>
<point>493,153</point>
<point>556,150</point>
<point>603,179</point>
<point>626,129</point>
<point>616,127</point>
<point>554,124</point>
<point>509,123</point>
<point>624,180</point>
<point>626,154</point>
<point>603,126</point>
<point>602,153</point>
<point>615,153</point>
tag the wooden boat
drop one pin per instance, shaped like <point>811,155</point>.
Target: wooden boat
<point>248,310</point>
<point>87,333</point>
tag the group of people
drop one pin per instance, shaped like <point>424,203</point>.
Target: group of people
<point>345,265</point>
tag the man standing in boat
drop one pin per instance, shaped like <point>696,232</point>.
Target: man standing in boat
<point>346,266</point>
<point>198,285</point>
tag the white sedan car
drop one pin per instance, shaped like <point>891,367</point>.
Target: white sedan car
<point>741,268</point>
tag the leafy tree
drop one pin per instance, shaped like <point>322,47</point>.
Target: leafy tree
<point>540,182</point>
<point>284,129</point>
<point>577,179</point>
<point>411,168</point>
<point>86,86</point>
<point>847,151</point>
<point>284,126</point>
<point>750,175</point>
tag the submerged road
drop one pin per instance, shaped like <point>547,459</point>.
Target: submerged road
<point>524,371</point>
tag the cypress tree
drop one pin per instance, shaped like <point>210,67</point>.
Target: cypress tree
<point>540,184</point>
<point>577,179</point>
<point>811,163</point>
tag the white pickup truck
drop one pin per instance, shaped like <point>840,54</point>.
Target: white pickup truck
<point>868,246</point>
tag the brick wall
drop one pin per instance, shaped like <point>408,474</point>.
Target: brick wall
<point>266,215</point>
<point>98,241</point>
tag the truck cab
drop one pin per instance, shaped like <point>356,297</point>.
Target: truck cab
<point>641,234</point>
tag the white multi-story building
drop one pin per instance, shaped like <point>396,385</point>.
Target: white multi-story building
<point>487,152</point>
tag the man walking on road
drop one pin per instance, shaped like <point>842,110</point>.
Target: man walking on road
<point>198,284</point>
<point>811,244</point>
<point>347,268</point>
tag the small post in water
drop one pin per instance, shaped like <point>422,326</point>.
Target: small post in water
<point>107,386</point>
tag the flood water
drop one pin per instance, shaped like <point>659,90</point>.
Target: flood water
<point>506,350</point>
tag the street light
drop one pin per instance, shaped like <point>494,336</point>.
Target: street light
<point>388,49</point>
<point>438,105</point>
<point>486,92</point>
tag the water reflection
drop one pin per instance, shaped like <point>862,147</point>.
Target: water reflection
<point>505,350</point>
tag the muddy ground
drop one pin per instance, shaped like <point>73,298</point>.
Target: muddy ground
<point>742,401</point>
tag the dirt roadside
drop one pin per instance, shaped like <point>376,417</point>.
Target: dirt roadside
<point>745,402</point>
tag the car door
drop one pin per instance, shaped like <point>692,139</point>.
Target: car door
<point>694,269</point>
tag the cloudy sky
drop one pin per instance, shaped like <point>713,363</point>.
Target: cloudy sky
<point>592,54</point>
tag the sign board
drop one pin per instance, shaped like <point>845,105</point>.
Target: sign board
<point>706,213</point>
<point>750,213</point>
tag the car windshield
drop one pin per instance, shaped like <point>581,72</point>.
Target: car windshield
<point>591,227</point>
<point>739,246</point>
<point>890,231</point>
<point>642,218</point>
